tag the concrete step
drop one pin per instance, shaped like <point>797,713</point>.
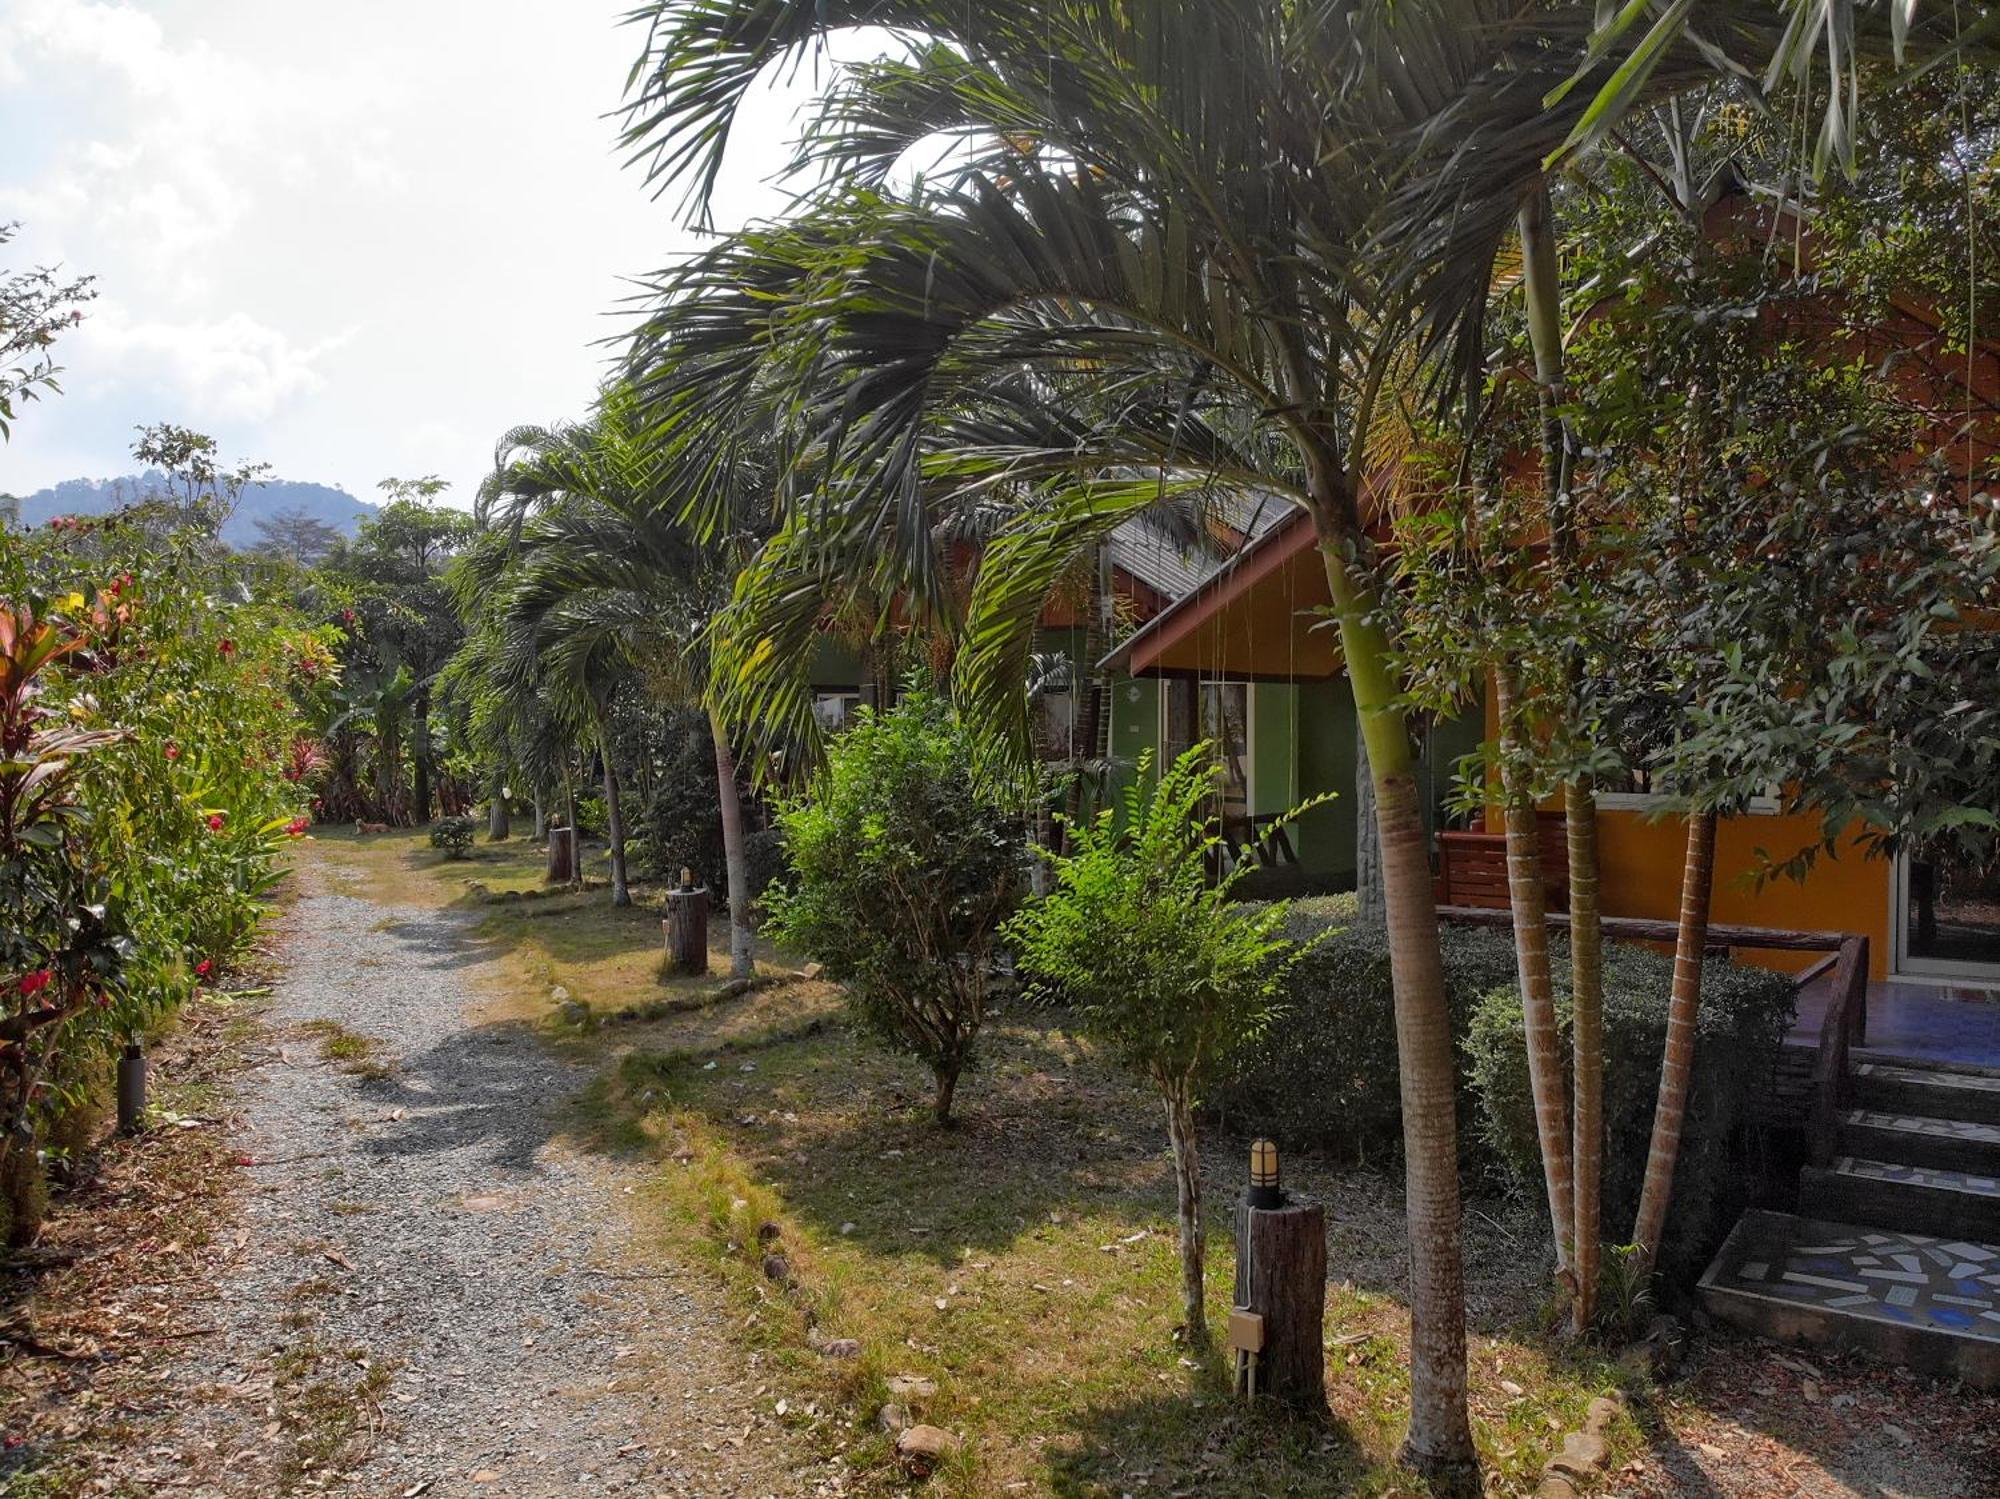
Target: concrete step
<point>1929,1092</point>
<point>1885,1195</point>
<point>1928,1303</point>
<point>1921,1140</point>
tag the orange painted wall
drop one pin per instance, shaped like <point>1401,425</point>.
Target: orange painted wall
<point>1642,874</point>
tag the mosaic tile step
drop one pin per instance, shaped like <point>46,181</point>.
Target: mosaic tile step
<point>1921,1140</point>
<point>1926,1301</point>
<point>1938,1092</point>
<point>1958,1204</point>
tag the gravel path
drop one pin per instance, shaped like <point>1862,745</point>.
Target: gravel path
<point>433,1295</point>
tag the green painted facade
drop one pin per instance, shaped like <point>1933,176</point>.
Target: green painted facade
<point>1302,744</point>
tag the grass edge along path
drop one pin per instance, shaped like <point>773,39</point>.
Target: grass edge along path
<point>1023,1266</point>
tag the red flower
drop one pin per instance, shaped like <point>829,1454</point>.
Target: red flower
<point>215,822</point>
<point>227,647</point>
<point>318,805</point>
<point>297,826</point>
<point>36,982</point>
<point>173,752</point>
<point>347,616</point>
<point>204,968</point>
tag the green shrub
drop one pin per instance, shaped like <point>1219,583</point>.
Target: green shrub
<point>906,856</point>
<point>1159,961</point>
<point>1324,1075</point>
<point>1744,1015</point>
<point>453,835</point>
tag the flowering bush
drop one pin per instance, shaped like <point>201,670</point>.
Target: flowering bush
<point>184,686</point>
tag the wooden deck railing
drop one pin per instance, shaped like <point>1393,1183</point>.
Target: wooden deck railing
<point>1844,1027</point>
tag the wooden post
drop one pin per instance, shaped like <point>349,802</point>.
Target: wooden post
<point>1281,1277</point>
<point>686,927</point>
<point>562,856</point>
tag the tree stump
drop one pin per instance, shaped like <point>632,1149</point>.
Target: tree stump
<point>1281,1276</point>
<point>562,856</point>
<point>686,927</point>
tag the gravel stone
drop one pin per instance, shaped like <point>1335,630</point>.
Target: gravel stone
<point>433,1222</point>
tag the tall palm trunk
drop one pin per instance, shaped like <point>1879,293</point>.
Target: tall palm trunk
<point>1440,1438</point>
<point>575,828</point>
<point>1367,839</point>
<point>1527,895</point>
<point>1187,1193</point>
<point>1586,962</point>
<point>496,809</point>
<point>614,820</point>
<point>1677,1063</point>
<point>541,816</point>
<point>735,856</point>
<point>1093,722</point>
<point>420,755</point>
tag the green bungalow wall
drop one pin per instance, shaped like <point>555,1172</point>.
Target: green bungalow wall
<point>1302,739</point>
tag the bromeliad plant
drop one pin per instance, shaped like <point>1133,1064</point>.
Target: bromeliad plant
<point>62,947</point>
<point>1162,963</point>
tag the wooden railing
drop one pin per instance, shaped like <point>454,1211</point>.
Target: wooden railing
<point>1844,1027</point>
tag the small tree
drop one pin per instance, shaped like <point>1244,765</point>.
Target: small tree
<point>906,857</point>
<point>453,835</point>
<point>1161,963</point>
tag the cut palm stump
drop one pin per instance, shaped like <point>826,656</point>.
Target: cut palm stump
<point>562,856</point>
<point>686,927</point>
<point>1277,1328</point>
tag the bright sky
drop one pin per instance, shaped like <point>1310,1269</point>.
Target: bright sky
<point>352,240</point>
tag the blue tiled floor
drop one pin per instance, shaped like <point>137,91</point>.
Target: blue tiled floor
<point>1924,1022</point>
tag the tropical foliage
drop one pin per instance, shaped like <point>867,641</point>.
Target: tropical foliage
<point>156,766</point>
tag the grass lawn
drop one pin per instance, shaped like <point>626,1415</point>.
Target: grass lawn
<point>1022,1263</point>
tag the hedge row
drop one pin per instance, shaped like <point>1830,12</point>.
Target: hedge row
<point>1326,1075</point>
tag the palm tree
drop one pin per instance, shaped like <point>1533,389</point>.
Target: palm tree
<point>602,569</point>
<point>1232,206</point>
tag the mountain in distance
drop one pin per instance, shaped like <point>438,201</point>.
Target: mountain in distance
<point>264,501</point>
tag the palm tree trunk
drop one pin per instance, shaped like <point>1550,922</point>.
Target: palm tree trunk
<point>1187,1192</point>
<point>614,819</point>
<point>1092,721</point>
<point>1440,1438</point>
<point>1527,895</point>
<point>575,829</point>
<point>735,856</point>
<point>1367,839</point>
<point>541,816</point>
<point>420,756</point>
<point>1586,962</point>
<point>496,809</point>
<point>1677,1064</point>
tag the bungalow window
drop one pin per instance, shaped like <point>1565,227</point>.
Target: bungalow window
<point>1218,712</point>
<point>835,709</point>
<point>1634,792</point>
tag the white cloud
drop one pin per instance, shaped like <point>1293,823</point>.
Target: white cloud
<point>234,370</point>
<point>351,240</point>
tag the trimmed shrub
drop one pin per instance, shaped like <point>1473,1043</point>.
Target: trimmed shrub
<point>1745,1013</point>
<point>453,835</point>
<point>1324,1075</point>
<point>906,858</point>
